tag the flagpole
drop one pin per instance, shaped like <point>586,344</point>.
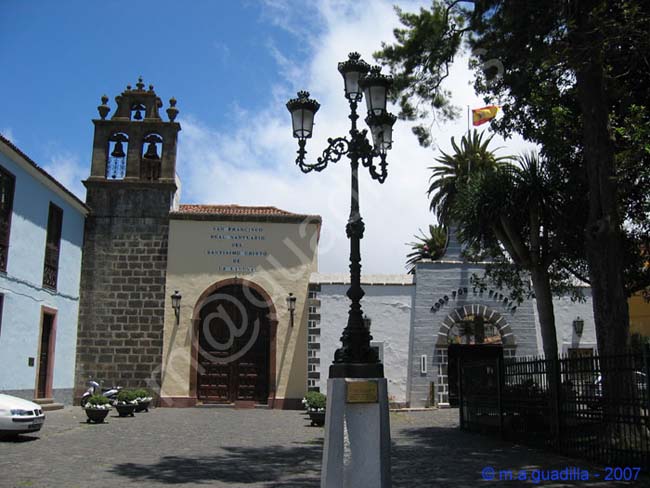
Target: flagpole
<point>468,120</point>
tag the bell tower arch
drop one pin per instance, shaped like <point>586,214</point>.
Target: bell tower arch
<point>135,144</point>
<point>130,192</point>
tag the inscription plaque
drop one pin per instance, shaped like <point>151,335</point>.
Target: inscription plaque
<point>361,392</point>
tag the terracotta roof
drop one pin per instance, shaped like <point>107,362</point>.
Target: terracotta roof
<point>238,210</point>
<point>41,170</point>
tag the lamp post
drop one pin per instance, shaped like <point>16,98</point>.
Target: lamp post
<point>355,359</point>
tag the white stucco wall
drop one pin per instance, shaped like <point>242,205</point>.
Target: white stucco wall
<point>389,307</point>
<point>21,285</point>
<point>566,312</point>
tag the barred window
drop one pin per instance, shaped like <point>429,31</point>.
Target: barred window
<point>52,247</point>
<point>7,185</point>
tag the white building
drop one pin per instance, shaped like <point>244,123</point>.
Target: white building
<point>420,326</point>
<point>41,235</point>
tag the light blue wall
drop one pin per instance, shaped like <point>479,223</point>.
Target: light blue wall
<point>22,284</point>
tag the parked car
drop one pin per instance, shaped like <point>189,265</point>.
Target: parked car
<point>19,416</point>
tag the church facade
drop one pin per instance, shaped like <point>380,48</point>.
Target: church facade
<point>228,335</point>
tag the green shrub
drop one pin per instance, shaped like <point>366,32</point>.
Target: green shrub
<point>315,400</point>
<point>97,400</point>
<point>142,393</point>
<point>126,396</point>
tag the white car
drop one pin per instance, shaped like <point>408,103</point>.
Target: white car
<point>18,416</point>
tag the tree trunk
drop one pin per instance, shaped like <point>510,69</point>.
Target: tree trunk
<point>544,299</point>
<point>603,240</point>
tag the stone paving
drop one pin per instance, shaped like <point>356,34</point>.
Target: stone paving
<point>214,447</point>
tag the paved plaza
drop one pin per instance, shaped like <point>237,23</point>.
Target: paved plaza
<point>216,447</point>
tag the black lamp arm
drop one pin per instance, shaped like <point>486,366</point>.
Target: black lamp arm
<point>335,150</point>
<point>368,162</point>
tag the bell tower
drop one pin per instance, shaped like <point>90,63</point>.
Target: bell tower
<point>135,144</point>
<point>130,192</point>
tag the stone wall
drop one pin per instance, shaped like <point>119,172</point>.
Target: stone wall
<point>435,281</point>
<point>121,316</point>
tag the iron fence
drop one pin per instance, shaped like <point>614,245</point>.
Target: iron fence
<point>591,407</point>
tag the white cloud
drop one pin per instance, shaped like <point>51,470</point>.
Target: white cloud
<point>8,133</point>
<point>69,171</point>
<point>253,163</point>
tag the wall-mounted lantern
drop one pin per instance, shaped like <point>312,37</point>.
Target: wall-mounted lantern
<point>291,306</point>
<point>578,325</point>
<point>367,321</point>
<point>176,305</point>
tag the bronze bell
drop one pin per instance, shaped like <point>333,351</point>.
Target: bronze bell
<point>118,150</point>
<point>151,152</point>
<point>137,115</point>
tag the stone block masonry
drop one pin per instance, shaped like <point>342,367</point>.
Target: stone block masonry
<point>122,299</point>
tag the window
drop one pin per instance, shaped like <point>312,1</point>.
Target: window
<point>52,247</point>
<point>312,324</point>
<point>311,338</point>
<point>312,310</point>
<point>7,185</point>
<point>312,294</point>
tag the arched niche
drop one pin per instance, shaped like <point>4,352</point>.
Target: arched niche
<point>116,160</point>
<point>151,157</point>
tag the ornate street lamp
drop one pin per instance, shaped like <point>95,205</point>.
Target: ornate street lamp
<point>355,359</point>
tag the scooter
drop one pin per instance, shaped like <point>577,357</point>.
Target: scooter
<point>94,389</point>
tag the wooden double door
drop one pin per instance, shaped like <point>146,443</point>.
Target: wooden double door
<point>234,347</point>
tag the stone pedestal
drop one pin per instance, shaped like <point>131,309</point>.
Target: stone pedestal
<point>357,437</point>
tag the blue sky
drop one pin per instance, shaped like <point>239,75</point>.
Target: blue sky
<point>231,65</point>
<point>214,56</point>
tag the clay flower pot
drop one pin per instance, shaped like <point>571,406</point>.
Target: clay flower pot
<point>317,418</point>
<point>143,404</point>
<point>125,409</point>
<point>96,415</point>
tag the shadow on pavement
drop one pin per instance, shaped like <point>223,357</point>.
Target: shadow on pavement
<point>17,438</point>
<point>274,465</point>
<point>449,457</point>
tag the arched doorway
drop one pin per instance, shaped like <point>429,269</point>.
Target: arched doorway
<point>234,335</point>
<point>470,332</point>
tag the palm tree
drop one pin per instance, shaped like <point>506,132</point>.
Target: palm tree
<point>513,213</point>
<point>430,246</point>
<point>472,157</point>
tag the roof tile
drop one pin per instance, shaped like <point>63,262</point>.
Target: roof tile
<point>254,211</point>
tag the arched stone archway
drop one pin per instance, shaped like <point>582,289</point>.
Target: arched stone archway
<point>234,344</point>
<point>476,310</point>
<point>446,369</point>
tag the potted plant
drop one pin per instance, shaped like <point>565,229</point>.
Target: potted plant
<point>143,397</point>
<point>125,403</point>
<point>315,403</point>
<point>96,408</point>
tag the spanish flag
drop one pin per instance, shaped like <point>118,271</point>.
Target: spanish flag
<point>483,115</point>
